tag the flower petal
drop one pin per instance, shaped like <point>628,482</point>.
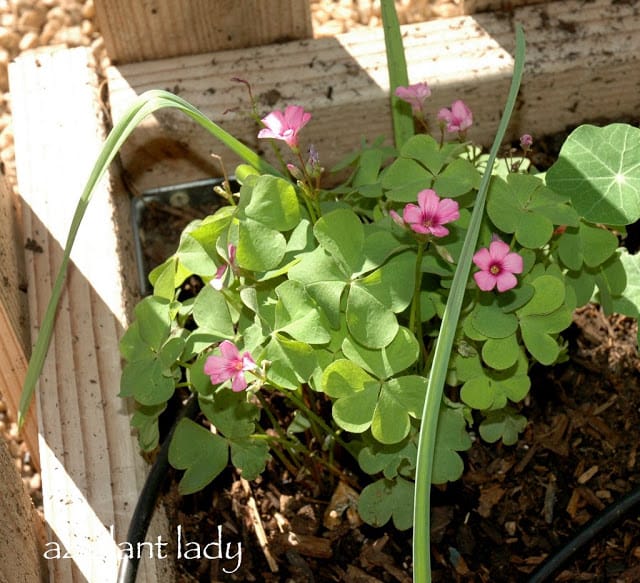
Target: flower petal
<point>506,281</point>
<point>485,281</point>
<point>412,214</point>
<point>428,202</point>
<point>512,263</point>
<point>448,211</point>
<point>217,368</point>
<point>498,250</point>
<point>438,231</point>
<point>483,259</point>
<point>229,351</point>
<point>239,383</point>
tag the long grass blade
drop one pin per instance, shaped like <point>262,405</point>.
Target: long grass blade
<point>401,115</point>
<point>437,376</point>
<point>145,105</point>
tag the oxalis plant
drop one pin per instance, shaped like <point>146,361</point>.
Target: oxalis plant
<point>394,317</point>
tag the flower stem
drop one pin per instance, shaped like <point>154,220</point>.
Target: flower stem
<point>415,315</point>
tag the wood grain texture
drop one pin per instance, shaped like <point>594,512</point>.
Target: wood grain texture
<point>14,315</point>
<point>91,469</point>
<point>583,62</point>
<point>139,31</point>
<point>474,6</point>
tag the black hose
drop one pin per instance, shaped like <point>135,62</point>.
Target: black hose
<point>147,500</point>
<point>586,534</point>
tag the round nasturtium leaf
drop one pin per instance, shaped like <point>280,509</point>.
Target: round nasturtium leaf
<point>599,168</point>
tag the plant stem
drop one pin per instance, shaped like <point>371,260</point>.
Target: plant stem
<point>415,316</point>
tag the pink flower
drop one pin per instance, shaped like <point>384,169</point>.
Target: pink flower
<point>415,95</point>
<point>428,216</point>
<point>458,119</point>
<point>497,267</point>
<point>285,126</point>
<point>218,281</point>
<point>231,365</point>
<point>526,141</point>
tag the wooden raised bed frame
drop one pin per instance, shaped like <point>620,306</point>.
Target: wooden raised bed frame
<point>582,63</point>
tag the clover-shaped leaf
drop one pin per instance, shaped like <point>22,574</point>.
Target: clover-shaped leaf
<point>501,353</point>
<point>362,402</point>
<point>451,437</point>
<point>211,313</point>
<point>538,333</point>
<point>386,499</point>
<point>249,455</point>
<point>490,389</point>
<point>399,355</point>
<point>490,321</point>
<point>230,413</point>
<point>292,363</point>
<point>524,206</point>
<point>271,201</point>
<point>259,248</point>
<point>503,424</point>
<point>298,315</point>
<point>599,168</point>
<point>146,381</point>
<point>198,451</point>
<point>145,420</point>
<point>586,244</point>
<point>341,234</point>
<point>388,459</point>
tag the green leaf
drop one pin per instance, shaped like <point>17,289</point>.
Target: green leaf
<point>230,413</point>
<point>503,424</point>
<point>145,420</point>
<point>260,248</point>
<point>386,499</point>
<point>388,459</point>
<point>492,322</point>
<point>153,315</point>
<point>392,284</point>
<point>271,201</point>
<point>341,234</point>
<point>292,362</point>
<point>297,314</point>
<point>146,382</point>
<point>201,453</point>
<point>250,455</point>
<point>451,437</point>
<point>211,313</point>
<point>400,399</point>
<point>549,296</point>
<point>399,355</point>
<point>538,334</point>
<point>501,353</point>
<point>193,256</point>
<point>586,244</point>
<point>599,168</point>
<point>490,389</point>
<point>404,178</point>
<point>369,321</point>
<point>628,303</point>
<point>458,178</point>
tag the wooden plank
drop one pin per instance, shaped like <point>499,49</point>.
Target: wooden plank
<point>91,469</point>
<point>474,6</point>
<point>14,316</point>
<point>19,544</point>
<point>582,63</point>
<point>139,31</point>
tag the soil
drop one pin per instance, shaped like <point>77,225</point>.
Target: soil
<point>513,506</point>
